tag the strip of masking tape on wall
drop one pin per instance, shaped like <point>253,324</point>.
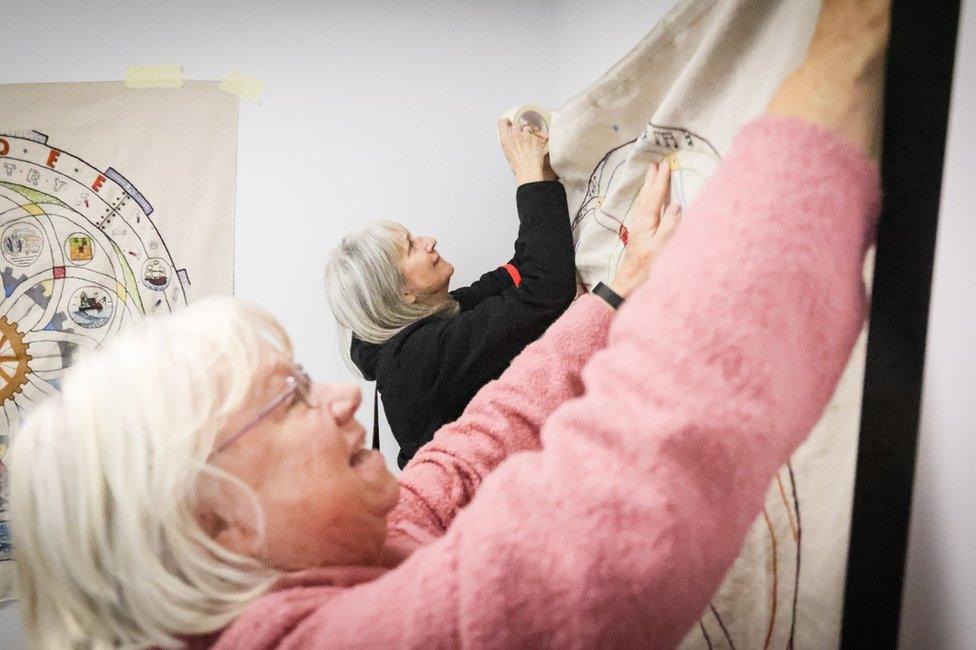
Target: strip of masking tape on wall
<point>243,86</point>
<point>153,76</point>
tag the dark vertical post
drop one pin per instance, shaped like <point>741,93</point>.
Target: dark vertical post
<point>919,79</point>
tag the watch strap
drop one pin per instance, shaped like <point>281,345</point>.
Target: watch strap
<point>611,297</point>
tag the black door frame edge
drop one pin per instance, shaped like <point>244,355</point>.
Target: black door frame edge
<point>921,54</point>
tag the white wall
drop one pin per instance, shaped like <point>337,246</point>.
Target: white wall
<point>588,37</point>
<point>940,580</point>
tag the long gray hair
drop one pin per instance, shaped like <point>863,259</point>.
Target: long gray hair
<point>105,482</point>
<point>364,284</point>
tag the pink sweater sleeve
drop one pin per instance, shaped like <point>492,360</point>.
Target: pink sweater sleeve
<point>504,418</point>
<point>617,531</point>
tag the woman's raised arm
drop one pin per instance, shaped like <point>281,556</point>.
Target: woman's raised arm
<point>542,251</point>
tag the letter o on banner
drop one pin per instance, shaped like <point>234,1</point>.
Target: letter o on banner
<point>4,147</point>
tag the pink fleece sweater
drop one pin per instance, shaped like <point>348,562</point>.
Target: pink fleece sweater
<point>596,493</point>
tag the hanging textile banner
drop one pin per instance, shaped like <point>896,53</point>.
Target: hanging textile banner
<point>115,203</point>
<point>680,97</point>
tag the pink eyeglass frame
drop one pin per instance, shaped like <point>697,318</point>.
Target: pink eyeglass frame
<point>299,383</point>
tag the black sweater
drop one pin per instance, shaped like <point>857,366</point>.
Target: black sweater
<point>431,369</point>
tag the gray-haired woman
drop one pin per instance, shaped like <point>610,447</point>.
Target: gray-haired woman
<point>431,349</point>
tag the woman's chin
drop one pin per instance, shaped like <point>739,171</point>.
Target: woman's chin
<point>383,485</point>
<point>445,288</point>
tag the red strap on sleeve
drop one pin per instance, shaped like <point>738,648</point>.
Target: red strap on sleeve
<point>514,272</point>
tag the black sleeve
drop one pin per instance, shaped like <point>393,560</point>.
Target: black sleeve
<point>542,211</point>
<point>544,253</point>
<point>490,284</point>
<point>477,345</point>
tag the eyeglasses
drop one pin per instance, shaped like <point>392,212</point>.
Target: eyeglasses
<point>299,386</point>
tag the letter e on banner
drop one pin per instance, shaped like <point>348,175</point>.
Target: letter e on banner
<point>4,147</point>
<point>98,182</point>
<point>53,158</point>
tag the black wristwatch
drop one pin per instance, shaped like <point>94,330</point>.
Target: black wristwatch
<point>611,297</point>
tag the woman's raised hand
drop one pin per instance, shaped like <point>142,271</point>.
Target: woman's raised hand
<point>526,152</point>
<point>654,222</point>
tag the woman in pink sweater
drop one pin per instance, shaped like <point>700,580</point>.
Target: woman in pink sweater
<point>594,495</point>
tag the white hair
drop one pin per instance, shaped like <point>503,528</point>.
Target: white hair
<point>104,484</point>
<point>364,284</point>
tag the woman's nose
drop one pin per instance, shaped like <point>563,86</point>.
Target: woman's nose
<point>343,401</point>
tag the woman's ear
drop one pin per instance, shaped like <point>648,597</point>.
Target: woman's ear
<point>242,540</point>
<point>409,297</point>
<point>227,516</point>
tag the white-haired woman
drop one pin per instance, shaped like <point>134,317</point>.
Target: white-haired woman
<point>430,349</point>
<point>191,485</point>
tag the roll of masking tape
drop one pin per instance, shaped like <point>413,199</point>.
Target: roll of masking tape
<point>535,117</point>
